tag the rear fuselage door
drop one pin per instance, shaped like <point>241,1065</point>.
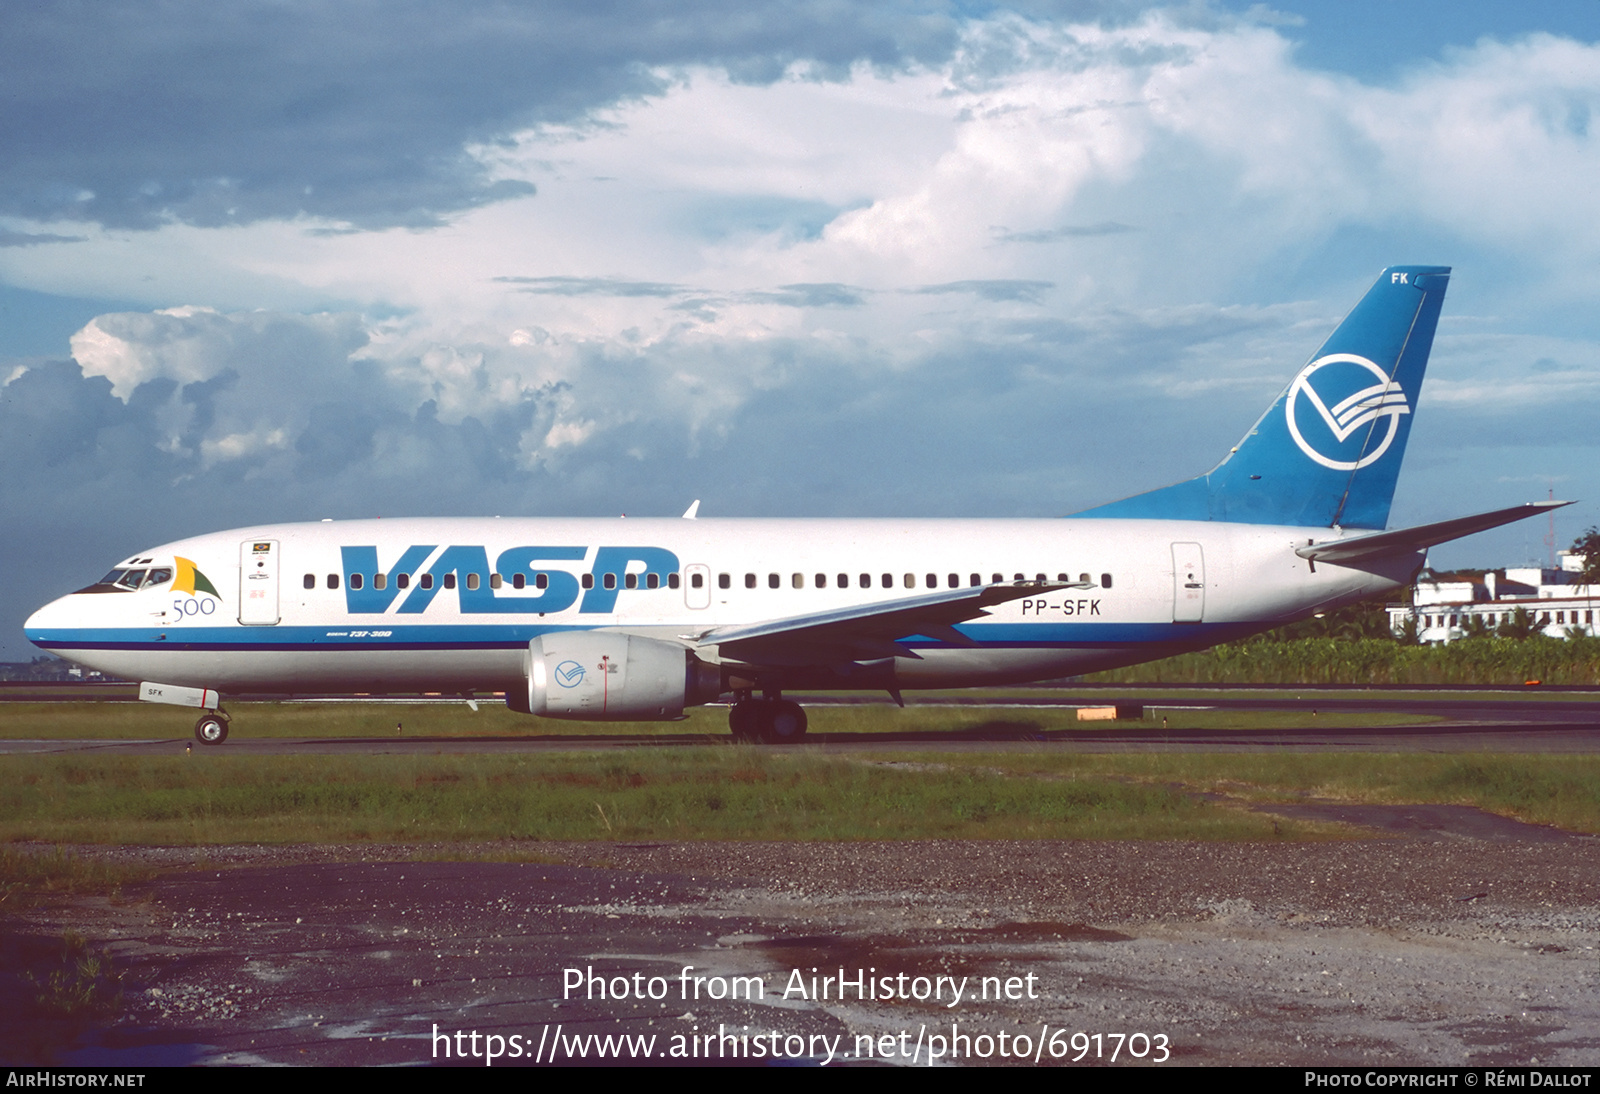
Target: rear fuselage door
<point>258,582</point>
<point>1188,583</point>
<point>697,585</point>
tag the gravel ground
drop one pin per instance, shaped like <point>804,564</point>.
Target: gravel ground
<point>1431,948</point>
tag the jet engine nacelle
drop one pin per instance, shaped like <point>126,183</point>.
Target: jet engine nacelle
<point>605,676</point>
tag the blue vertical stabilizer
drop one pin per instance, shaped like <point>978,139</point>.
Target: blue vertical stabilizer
<point>1328,450</point>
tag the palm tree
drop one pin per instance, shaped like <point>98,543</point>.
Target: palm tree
<point>1588,545</point>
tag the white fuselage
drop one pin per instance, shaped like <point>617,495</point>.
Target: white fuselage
<point>324,610</point>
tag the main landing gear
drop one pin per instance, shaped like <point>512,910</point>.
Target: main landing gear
<point>771,718</point>
<point>212,728</point>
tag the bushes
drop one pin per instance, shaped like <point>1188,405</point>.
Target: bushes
<point>1374,661</point>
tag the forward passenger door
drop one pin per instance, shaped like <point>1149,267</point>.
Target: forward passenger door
<point>258,582</point>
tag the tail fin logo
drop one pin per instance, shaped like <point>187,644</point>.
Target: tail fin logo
<point>1362,406</point>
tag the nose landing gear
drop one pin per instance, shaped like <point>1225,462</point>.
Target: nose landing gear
<point>771,719</point>
<point>212,728</point>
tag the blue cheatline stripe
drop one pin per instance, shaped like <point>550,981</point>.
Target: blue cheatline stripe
<point>477,636</point>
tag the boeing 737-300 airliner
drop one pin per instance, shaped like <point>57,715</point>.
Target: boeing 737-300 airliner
<point>633,620</point>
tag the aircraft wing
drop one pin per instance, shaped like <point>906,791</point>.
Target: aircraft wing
<point>865,632</point>
<point>1426,535</point>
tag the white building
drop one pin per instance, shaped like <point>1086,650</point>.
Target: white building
<point>1447,610</point>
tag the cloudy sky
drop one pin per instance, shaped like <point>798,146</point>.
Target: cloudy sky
<point>285,261</point>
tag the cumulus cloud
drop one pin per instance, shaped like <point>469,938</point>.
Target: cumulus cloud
<point>818,259</point>
<point>360,112</point>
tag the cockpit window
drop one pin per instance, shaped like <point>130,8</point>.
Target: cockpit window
<point>126,581</point>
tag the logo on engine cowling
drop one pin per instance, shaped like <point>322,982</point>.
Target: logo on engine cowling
<point>1362,406</point>
<point>569,674</point>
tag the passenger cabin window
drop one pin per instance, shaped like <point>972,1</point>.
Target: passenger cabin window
<point>355,581</point>
<point>402,581</point>
<point>472,581</point>
<point>630,581</point>
<point>772,581</point>
<point>696,581</point>
<point>911,581</point>
<point>844,581</point>
<point>333,581</point>
<point>609,581</point>
<point>749,581</point>
<point>998,578</point>
<point>519,581</point>
<point>866,581</point>
<point>672,580</point>
<point>724,581</point>
<point>798,581</point>
<point>425,581</point>
<point>310,581</point>
<point>450,581</point>
<point>496,581</point>
<point>588,581</point>
<point>977,579</point>
<point>380,581</point>
<point>888,581</point>
<point>1105,581</point>
<point>822,581</point>
<point>653,581</point>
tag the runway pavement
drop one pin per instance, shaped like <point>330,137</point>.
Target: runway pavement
<point>1559,723</point>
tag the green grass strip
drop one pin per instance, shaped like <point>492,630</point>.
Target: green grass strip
<point>681,793</point>
<point>1559,790</point>
<point>725,792</point>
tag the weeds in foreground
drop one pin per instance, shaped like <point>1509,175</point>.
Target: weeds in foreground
<point>85,986</point>
<point>27,876</point>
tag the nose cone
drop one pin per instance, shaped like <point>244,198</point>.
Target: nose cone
<point>46,622</point>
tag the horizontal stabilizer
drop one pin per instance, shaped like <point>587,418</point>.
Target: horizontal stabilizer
<point>866,631</point>
<point>1423,536</point>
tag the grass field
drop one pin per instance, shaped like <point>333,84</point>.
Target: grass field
<point>719,791</point>
<point>746,793</point>
<point>678,793</point>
